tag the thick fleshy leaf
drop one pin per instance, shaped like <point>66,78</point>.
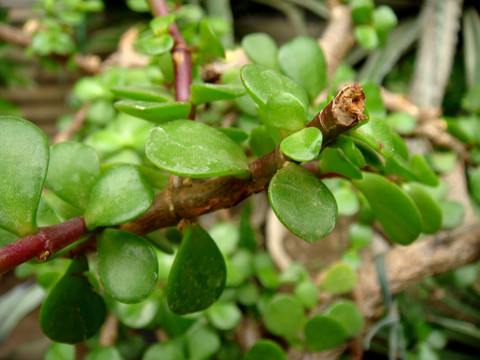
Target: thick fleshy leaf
<point>154,111</point>
<point>402,122</point>
<point>332,160</point>
<point>72,171</point>
<point>72,312</point>
<point>24,159</point>
<point>121,194</point>
<point>348,315</point>
<point>143,93</point>
<point>323,333</point>
<point>209,41</point>
<point>193,149</point>
<point>429,209</point>
<point>303,145</point>
<point>302,203</point>
<point>384,18</point>
<point>366,36</point>
<point>283,111</point>
<point>378,135</point>
<point>261,49</point>
<point>198,274</point>
<point>302,59</point>
<point>265,349</point>
<point>260,141</point>
<point>261,83</point>
<point>360,236</point>
<point>350,150</point>
<point>104,353</point>
<point>275,317</point>
<point>362,11</point>
<point>202,93</point>
<point>156,45</point>
<point>340,279</point>
<point>127,266</point>
<point>160,24</point>
<point>395,211</point>
<point>202,343</point>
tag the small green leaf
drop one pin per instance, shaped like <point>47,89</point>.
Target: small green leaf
<point>156,45</point>
<point>350,150</point>
<point>340,279</point>
<point>59,351</point>
<point>121,194</point>
<point>373,98</point>
<point>72,312</point>
<point>396,212</point>
<point>167,350</point>
<point>143,93</point>
<point>265,349</point>
<point>235,134</point>
<point>346,313</point>
<point>302,59</point>
<point>202,343</point>
<point>224,316</point>
<point>260,141</point>
<point>332,160</point>
<point>283,111</point>
<point>209,41</point>
<point>442,162</point>
<point>261,83</point>
<point>366,36</point>
<point>127,266</point>
<point>384,19</point>
<point>362,11</point>
<point>265,270</point>
<point>193,149</point>
<point>198,274</point>
<point>276,319</point>
<point>303,145</point>
<point>302,203</point>
<point>452,214</point>
<point>72,171</point>
<point>24,157</point>
<point>378,135</point>
<point>360,236</point>
<point>261,49</point>
<point>104,353</point>
<point>323,333</point>
<point>307,293</point>
<point>203,93</point>
<point>225,235</point>
<point>427,206</point>
<point>347,200</point>
<point>154,111</point>
<point>422,171</point>
<point>402,122</point>
<point>161,24</point>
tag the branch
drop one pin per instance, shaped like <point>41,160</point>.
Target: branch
<point>173,204</point>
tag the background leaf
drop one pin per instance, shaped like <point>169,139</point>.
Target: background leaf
<point>276,319</point>
<point>323,333</point>
<point>261,49</point>
<point>154,111</point>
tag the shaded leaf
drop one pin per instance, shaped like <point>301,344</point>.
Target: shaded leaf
<point>276,320</point>
<point>265,349</point>
<point>261,49</point>
<point>340,279</point>
<point>202,93</point>
<point>154,111</point>
<point>143,93</point>
<point>346,313</point>
<point>323,333</point>
<point>303,145</point>
<point>427,206</point>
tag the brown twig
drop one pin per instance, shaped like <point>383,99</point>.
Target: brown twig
<point>75,126</point>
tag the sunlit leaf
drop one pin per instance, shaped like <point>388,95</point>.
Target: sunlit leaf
<point>154,111</point>
<point>261,49</point>
<point>303,145</point>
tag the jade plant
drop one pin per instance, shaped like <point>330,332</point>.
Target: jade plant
<point>110,221</point>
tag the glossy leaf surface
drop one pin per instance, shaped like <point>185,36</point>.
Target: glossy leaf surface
<point>265,349</point>
<point>24,157</point>
<point>347,314</point>
<point>193,149</point>
<point>429,209</point>
<point>154,111</point>
<point>261,49</point>
<point>72,312</point>
<point>198,274</point>
<point>302,59</point>
<point>378,135</point>
<point>202,93</point>
<point>284,111</point>
<point>276,319</point>
<point>72,171</point>
<point>395,211</point>
<point>120,194</point>
<point>127,265</point>
<point>332,160</point>
<point>303,145</point>
<point>323,333</point>
<point>143,93</point>
<point>168,350</point>
<point>302,203</point>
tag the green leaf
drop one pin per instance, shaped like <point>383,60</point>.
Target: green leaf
<point>323,333</point>
<point>362,11</point>
<point>121,194</point>
<point>377,134</point>
<point>261,49</point>
<point>167,350</point>
<point>474,183</point>
<point>226,236</point>
<point>139,315</point>
<point>360,236</point>
<point>265,349</point>
<point>442,162</point>
<point>265,270</point>
<point>161,24</point>
<point>276,319</point>
<point>104,353</point>
<point>332,160</point>
<point>203,93</point>
<point>384,19</point>
<point>154,111</point>
<point>302,59</point>
<point>350,150</point>
<point>402,122</point>
<point>471,39</point>
<point>283,111</point>
<point>72,312</point>
<point>340,279</point>
<point>261,83</point>
<point>127,266</point>
<point>198,274</point>
<point>307,293</point>
<point>202,343</point>
<point>260,141</point>
<point>422,171</point>
<point>72,171</point>
<point>346,313</point>
<point>347,200</point>
<point>366,36</point>
<point>224,316</point>
<point>303,145</point>
<point>59,351</point>
<point>24,159</point>
<point>427,206</point>
<point>373,98</point>
<point>143,93</point>
<point>193,149</point>
<point>302,203</point>
<point>156,45</point>
<point>235,134</point>
<point>209,41</point>
<point>452,214</point>
<point>395,211</point>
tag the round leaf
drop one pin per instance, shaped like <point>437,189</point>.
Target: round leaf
<point>302,203</point>
<point>397,213</point>
<point>193,149</point>
<point>198,274</point>
<point>120,195</point>
<point>303,145</point>
<point>276,319</point>
<point>104,353</point>
<point>360,236</point>
<point>154,111</point>
<point>127,265</point>
<point>156,45</point>
<point>261,49</point>
<point>384,18</point>
<point>72,312</point>
<point>224,316</point>
<point>362,11</point>
<point>265,349</point>
<point>202,93</point>
<point>24,159</point>
<point>366,36</point>
<point>340,279</point>
<point>302,59</point>
<point>307,293</point>
<point>167,350</point>
<point>72,171</point>
<point>323,333</point>
<point>453,213</point>
<point>346,313</point>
